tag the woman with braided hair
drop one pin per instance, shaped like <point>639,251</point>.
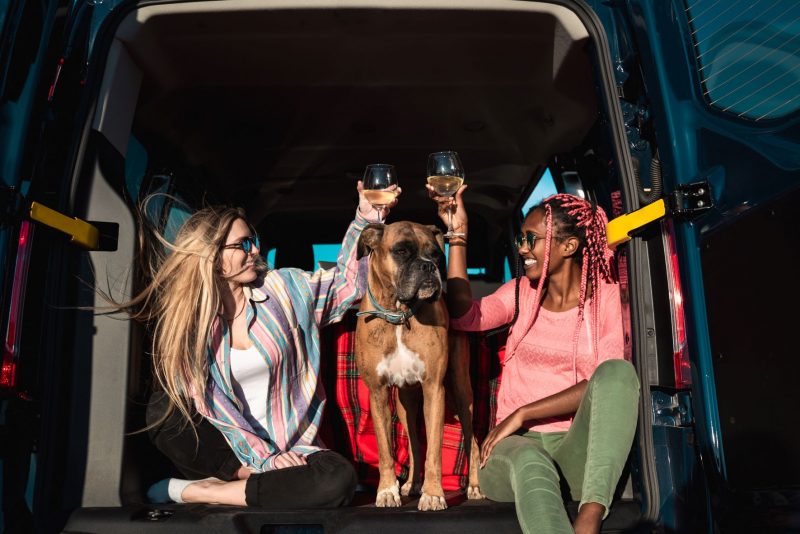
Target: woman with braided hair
<point>568,401</point>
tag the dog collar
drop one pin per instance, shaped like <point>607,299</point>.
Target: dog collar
<point>392,317</point>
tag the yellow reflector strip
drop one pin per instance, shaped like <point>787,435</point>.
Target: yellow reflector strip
<point>619,230</point>
<point>81,232</point>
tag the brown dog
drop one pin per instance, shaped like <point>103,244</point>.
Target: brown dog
<point>402,340</point>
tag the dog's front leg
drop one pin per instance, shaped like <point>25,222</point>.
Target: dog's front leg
<point>432,494</point>
<point>408,411</point>
<point>388,491</point>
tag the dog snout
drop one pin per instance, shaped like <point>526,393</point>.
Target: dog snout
<point>427,267</point>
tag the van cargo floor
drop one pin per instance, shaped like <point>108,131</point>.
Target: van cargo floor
<point>461,517</point>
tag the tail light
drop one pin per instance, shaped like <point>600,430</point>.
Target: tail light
<point>680,351</point>
<point>8,370</point>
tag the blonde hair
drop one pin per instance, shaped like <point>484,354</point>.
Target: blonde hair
<point>182,298</point>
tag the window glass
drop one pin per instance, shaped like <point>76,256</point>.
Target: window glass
<point>325,256</point>
<point>507,274</point>
<point>748,55</point>
<point>178,214</point>
<point>470,270</point>
<point>543,189</point>
<point>135,168</point>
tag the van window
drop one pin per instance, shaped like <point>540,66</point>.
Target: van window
<point>748,55</point>
<point>507,274</point>
<point>543,189</point>
<point>325,256</point>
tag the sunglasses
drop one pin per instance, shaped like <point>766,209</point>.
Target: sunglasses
<point>528,237</point>
<point>246,244</point>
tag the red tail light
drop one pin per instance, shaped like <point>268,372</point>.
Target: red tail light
<point>8,369</point>
<point>680,351</point>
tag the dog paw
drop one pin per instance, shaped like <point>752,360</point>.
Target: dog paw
<point>431,502</point>
<point>389,497</point>
<point>474,492</point>
<point>410,489</point>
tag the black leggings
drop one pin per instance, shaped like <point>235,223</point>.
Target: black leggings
<point>328,480</point>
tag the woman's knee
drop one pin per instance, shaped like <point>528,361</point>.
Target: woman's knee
<point>517,460</point>
<point>616,372</point>
<point>522,453</point>
<point>336,478</point>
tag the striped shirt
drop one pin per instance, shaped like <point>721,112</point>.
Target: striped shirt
<point>287,309</point>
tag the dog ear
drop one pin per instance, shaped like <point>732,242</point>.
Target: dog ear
<point>370,237</point>
<point>437,234</point>
<point>442,266</point>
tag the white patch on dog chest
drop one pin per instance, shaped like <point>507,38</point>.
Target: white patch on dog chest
<point>403,366</point>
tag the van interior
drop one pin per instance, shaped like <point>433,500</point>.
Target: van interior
<point>277,107</point>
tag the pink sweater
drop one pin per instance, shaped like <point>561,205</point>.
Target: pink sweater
<point>539,357</point>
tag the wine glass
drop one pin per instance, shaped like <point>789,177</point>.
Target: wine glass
<point>445,175</point>
<point>380,186</point>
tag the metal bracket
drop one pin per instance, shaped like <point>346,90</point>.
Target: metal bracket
<point>81,232</point>
<point>688,201</point>
<point>672,409</point>
<point>619,230</point>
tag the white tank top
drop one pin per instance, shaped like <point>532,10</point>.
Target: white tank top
<point>250,375</point>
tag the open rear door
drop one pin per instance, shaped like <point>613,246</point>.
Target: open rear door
<point>26,28</point>
<point>723,84</point>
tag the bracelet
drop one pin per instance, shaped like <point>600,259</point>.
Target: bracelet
<point>459,243</point>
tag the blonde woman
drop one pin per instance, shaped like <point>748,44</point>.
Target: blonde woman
<point>236,356</point>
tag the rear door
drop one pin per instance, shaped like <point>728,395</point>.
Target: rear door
<point>42,67</point>
<point>26,27</point>
<point>723,88</point>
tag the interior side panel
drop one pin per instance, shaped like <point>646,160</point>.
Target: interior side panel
<point>750,268</point>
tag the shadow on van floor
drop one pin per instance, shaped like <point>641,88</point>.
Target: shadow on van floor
<point>461,517</point>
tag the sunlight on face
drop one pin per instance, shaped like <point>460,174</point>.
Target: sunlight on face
<point>238,267</point>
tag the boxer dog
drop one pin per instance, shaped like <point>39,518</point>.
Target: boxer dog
<point>402,340</point>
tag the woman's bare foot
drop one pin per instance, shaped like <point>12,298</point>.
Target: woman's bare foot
<point>589,518</point>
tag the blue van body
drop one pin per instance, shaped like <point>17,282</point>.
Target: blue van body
<point>715,88</point>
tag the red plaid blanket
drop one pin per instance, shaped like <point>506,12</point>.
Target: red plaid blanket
<point>347,427</point>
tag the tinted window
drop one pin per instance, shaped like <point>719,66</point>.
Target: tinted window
<point>748,55</point>
<point>543,189</point>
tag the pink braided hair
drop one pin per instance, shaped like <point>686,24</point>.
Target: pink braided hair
<point>578,216</point>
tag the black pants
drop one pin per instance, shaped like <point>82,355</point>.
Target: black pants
<point>328,480</point>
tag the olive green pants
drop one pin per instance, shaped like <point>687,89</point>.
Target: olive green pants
<point>591,455</point>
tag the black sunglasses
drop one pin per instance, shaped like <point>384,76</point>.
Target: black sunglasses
<point>528,237</point>
<point>246,244</point>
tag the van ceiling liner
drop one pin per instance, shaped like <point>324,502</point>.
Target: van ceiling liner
<point>270,95</point>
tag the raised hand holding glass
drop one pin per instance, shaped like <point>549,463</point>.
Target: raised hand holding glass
<point>380,186</point>
<point>445,175</point>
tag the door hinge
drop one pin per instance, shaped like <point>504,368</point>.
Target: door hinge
<point>688,201</point>
<point>684,203</point>
<point>672,409</point>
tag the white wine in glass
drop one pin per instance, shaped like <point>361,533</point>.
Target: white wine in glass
<point>445,185</point>
<point>379,199</point>
<point>446,175</point>
<point>380,186</point>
